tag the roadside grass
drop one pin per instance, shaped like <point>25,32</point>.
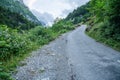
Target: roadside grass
<point>95,31</point>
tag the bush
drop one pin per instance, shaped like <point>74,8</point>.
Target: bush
<point>40,35</point>
<point>12,43</point>
<point>101,33</point>
<point>62,26</point>
<point>4,75</point>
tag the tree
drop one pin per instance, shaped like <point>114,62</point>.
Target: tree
<point>98,9</point>
<point>114,18</point>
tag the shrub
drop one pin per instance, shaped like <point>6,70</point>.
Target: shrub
<point>12,43</point>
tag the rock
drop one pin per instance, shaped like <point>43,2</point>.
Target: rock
<point>52,54</point>
<point>46,78</point>
<point>22,64</point>
<point>42,69</point>
<point>118,61</point>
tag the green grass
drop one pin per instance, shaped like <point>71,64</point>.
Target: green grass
<point>96,32</point>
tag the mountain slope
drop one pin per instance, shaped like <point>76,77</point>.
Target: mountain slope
<point>15,20</point>
<point>105,22</point>
<point>19,7</point>
<point>80,14</point>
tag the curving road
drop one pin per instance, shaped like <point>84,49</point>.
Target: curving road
<point>73,56</point>
<point>91,60</point>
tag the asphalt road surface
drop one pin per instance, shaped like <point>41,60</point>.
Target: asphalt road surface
<point>73,56</point>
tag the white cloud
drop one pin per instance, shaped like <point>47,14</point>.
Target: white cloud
<point>29,3</point>
<point>54,7</point>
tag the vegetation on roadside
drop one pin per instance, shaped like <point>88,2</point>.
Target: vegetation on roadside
<point>96,33</point>
<point>105,22</point>
<point>62,26</point>
<point>15,44</point>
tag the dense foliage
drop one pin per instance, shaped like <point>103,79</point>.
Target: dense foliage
<point>14,20</point>
<point>14,44</point>
<point>114,19</point>
<point>107,11</point>
<point>11,43</point>
<point>19,7</point>
<point>80,14</point>
<point>62,26</point>
<point>106,19</point>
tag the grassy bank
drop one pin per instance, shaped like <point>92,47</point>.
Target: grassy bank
<point>96,32</point>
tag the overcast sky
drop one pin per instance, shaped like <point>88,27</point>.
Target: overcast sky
<point>58,8</point>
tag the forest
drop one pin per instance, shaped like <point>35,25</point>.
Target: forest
<point>79,15</point>
<point>15,20</point>
<point>17,6</point>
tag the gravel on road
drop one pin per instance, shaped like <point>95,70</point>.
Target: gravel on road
<point>72,56</point>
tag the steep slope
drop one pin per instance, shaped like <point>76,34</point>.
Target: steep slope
<point>80,14</point>
<point>105,22</point>
<point>19,7</point>
<point>15,20</point>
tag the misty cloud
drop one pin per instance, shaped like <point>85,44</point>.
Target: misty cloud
<point>57,8</point>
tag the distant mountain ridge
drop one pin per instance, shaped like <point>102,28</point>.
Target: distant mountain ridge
<point>47,19</point>
<point>18,6</point>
